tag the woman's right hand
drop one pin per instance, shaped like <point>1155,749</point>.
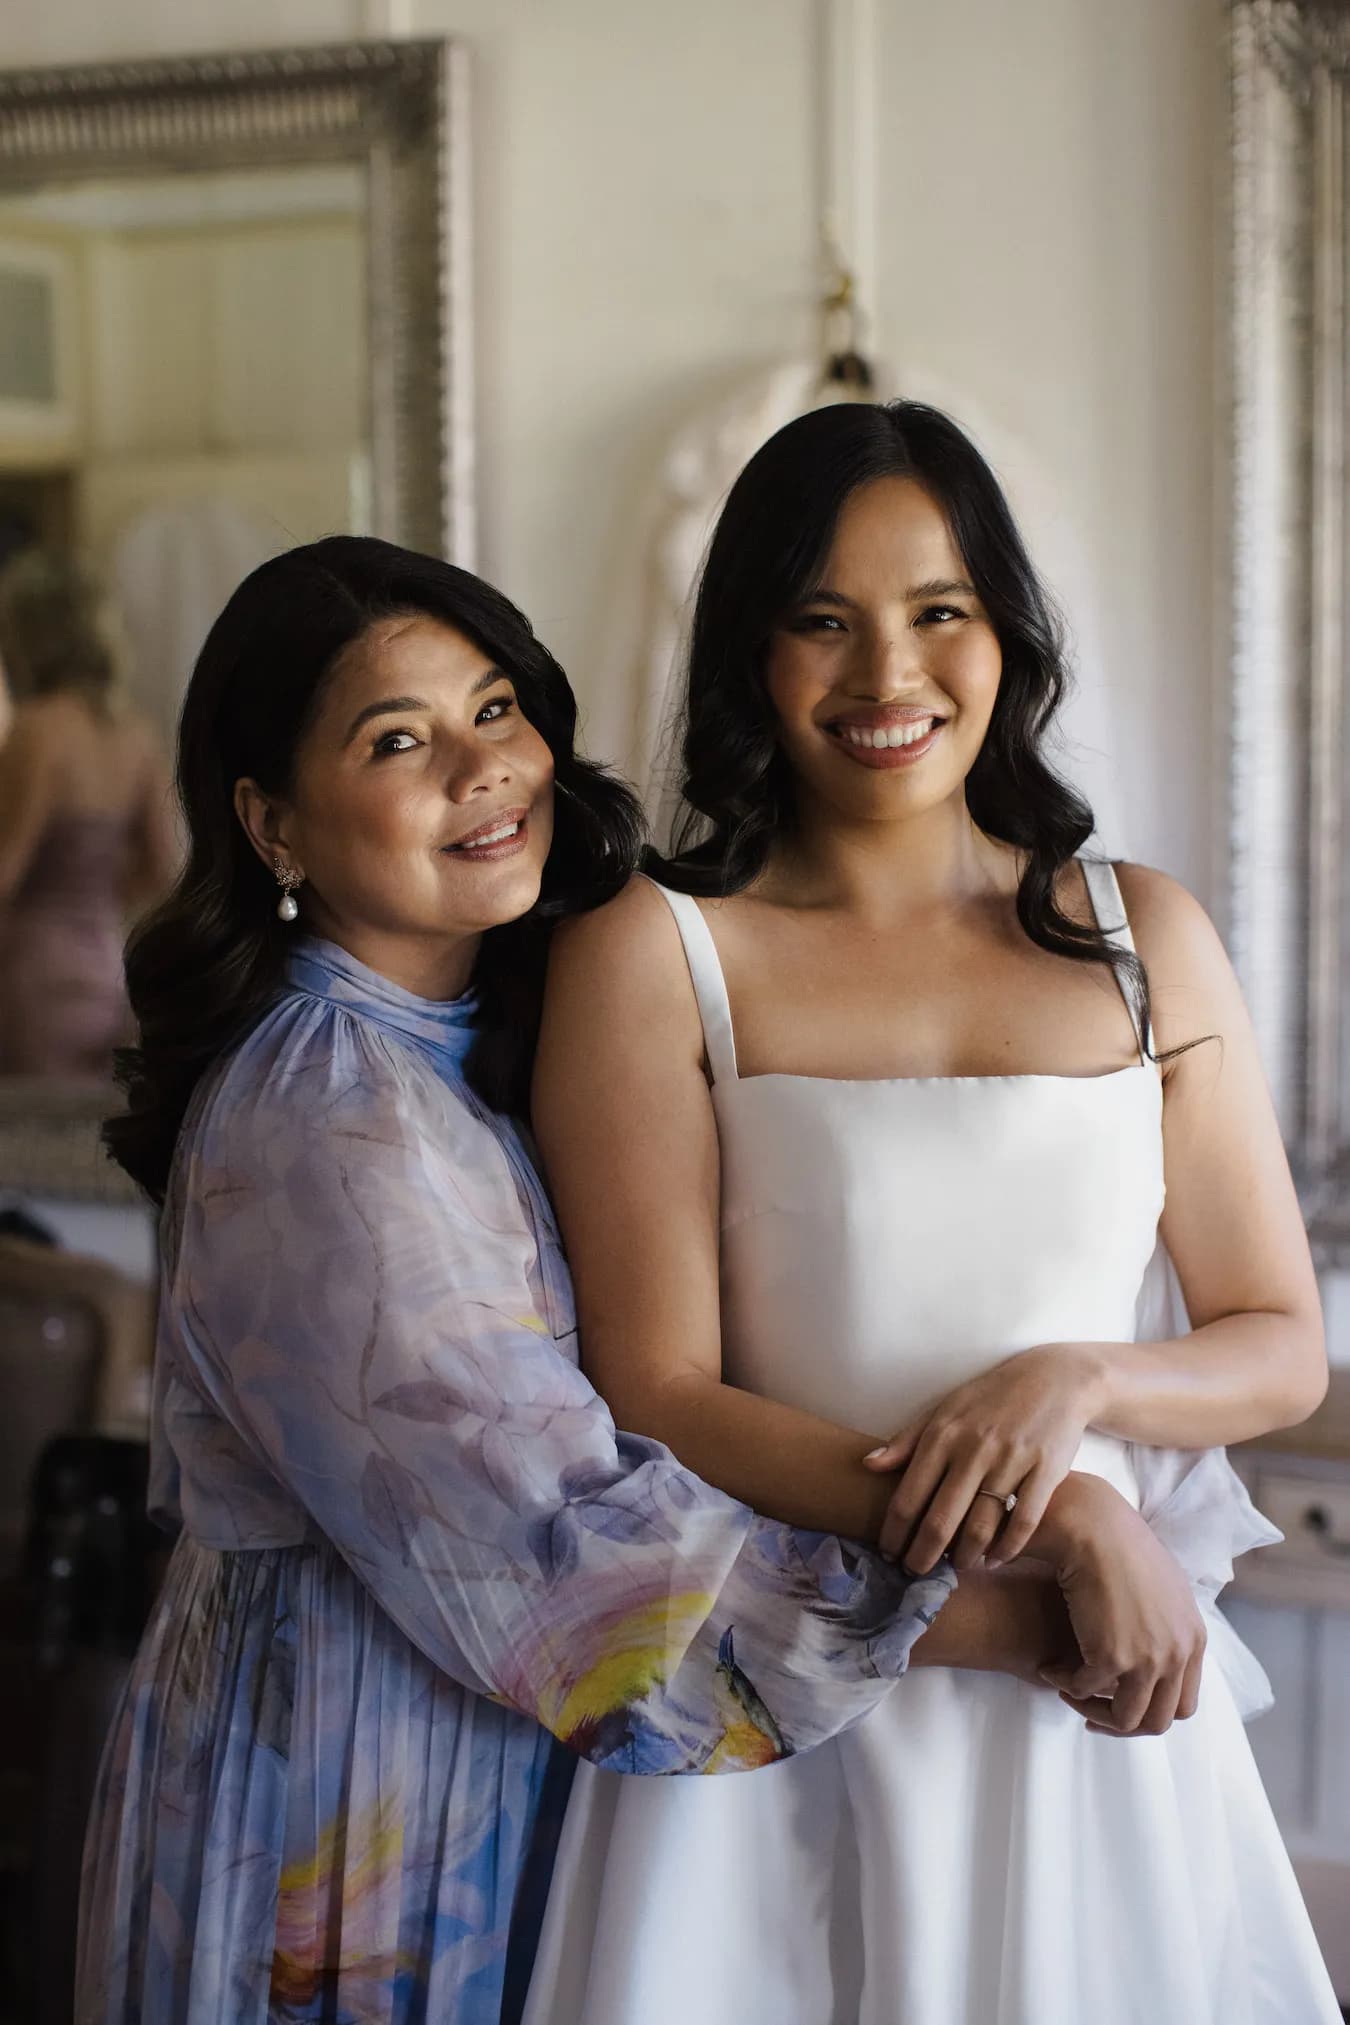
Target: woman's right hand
<point>1133,1614</point>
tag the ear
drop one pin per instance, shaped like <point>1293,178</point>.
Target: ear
<point>266,823</point>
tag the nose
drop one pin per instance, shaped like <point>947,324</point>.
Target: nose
<point>477,767</point>
<point>886,664</point>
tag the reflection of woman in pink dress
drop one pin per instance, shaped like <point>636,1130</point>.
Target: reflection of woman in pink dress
<point>86,834</point>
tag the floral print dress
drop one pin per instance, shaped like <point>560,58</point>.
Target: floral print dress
<point>415,1557</point>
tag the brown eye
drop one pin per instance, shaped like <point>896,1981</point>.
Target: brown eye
<point>392,742</point>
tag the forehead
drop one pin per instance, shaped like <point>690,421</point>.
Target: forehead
<point>893,524</point>
<point>405,656</point>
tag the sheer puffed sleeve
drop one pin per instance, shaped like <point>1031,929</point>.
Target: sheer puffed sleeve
<point>362,1292</point>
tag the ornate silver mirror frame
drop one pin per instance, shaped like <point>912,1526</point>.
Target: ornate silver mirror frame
<point>1287,830</point>
<point>396,110</point>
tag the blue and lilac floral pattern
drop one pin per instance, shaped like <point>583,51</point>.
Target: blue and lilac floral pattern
<point>416,1559</point>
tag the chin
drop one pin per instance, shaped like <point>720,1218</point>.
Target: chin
<point>510,898</point>
<point>885,797</point>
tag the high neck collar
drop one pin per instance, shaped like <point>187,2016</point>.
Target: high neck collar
<point>326,971</point>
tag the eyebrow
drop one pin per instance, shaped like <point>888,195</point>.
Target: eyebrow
<point>936,587</point>
<point>391,706</point>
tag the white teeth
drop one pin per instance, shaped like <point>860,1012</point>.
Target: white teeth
<point>908,733</point>
<point>495,837</point>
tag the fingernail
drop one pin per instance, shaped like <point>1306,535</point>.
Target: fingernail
<point>875,1454</point>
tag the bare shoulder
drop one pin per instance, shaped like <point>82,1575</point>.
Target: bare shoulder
<point>1194,992</point>
<point>631,943</point>
<point>619,991</point>
<point>1169,925</point>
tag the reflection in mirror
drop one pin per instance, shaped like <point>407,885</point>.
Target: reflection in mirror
<point>183,392</point>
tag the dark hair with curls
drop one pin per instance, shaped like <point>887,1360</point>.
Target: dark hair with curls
<point>766,556</point>
<point>206,964</point>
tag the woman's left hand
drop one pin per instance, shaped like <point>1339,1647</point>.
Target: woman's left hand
<point>1013,1429</point>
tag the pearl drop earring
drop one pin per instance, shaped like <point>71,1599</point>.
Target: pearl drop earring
<point>288,907</point>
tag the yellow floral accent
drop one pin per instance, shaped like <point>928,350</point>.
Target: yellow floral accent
<point>639,1647</point>
<point>370,1856</point>
<point>745,1746</point>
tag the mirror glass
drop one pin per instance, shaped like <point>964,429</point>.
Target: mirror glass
<point>184,391</point>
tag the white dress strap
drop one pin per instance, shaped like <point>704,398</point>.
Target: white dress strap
<point>710,986</point>
<point>1109,908</point>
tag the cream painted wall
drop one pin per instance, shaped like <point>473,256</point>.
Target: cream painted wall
<point>1051,178</point>
<point>1047,238</point>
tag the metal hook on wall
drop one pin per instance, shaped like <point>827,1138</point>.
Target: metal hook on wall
<point>846,365</point>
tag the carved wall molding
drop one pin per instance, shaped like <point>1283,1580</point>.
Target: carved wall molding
<point>1289,357</point>
<point>1297,39</point>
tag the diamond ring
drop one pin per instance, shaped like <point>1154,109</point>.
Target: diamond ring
<point>1008,1499</point>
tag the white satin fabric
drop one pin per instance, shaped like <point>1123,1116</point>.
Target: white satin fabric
<point>968,1854</point>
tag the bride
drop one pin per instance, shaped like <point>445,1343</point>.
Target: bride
<point>863,1127</point>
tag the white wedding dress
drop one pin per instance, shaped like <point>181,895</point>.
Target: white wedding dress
<point>969,1854</point>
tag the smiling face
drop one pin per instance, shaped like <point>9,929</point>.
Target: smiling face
<point>421,809</point>
<point>885,678</point>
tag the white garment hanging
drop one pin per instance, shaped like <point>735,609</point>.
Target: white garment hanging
<point>634,699</point>
<point>172,571</point>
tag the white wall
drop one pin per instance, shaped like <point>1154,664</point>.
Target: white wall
<point>1047,217</point>
<point>1050,176</point>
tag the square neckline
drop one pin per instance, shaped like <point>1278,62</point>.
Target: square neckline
<point>714,1002</point>
<point>888,1082</point>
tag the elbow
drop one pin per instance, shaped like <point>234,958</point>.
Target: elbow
<point>1310,1391</point>
<point>1306,1375</point>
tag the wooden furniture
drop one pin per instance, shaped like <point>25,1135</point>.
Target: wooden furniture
<point>1291,1603</point>
<point>75,1348</point>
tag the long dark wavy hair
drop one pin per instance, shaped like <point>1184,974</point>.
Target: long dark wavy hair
<point>207,963</point>
<point>766,557</point>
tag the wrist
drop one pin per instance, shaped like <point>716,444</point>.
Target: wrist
<point>1075,1519</point>
<point>1096,1373</point>
<point>1006,1623</point>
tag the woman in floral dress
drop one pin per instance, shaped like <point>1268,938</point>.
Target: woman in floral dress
<point>414,1552</point>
